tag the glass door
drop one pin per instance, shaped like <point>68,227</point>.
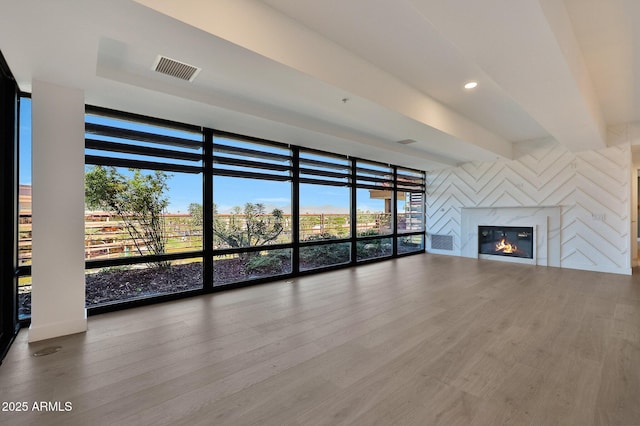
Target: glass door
<point>8,206</point>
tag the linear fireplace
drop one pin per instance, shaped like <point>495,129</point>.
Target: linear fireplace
<point>511,241</point>
<point>545,222</point>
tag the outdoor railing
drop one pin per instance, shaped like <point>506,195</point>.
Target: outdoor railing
<point>106,236</point>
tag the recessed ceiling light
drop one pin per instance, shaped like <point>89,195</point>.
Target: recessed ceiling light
<point>471,85</point>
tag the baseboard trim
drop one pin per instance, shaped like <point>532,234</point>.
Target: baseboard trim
<point>64,328</point>
<point>621,271</point>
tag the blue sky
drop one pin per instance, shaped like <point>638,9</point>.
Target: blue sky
<point>25,142</point>
<point>228,192</point>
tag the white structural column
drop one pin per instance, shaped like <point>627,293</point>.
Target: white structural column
<point>58,293</point>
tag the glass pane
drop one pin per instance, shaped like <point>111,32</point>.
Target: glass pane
<point>24,191</point>
<point>410,243</point>
<point>374,212</point>
<point>24,207</point>
<point>124,283</point>
<point>234,155</point>
<point>24,297</point>
<point>320,256</point>
<point>250,212</point>
<point>148,212</point>
<point>129,139</point>
<point>371,249</point>
<point>324,167</point>
<point>374,174</point>
<point>249,266</point>
<point>410,208</point>
<point>410,180</point>
<point>188,137</point>
<point>324,212</point>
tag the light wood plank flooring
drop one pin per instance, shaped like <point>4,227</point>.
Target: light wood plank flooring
<point>422,340</point>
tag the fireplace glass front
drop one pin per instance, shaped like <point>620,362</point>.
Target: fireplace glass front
<point>512,241</point>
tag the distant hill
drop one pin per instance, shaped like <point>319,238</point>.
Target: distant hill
<point>327,209</point>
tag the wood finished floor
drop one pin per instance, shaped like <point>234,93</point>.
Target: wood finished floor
<point>422,340</point>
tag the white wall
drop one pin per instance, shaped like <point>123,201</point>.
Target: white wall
<point>58,292</point>
<point>592,188</point>
<point>633,237</point>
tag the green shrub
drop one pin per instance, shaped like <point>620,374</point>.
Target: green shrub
<point>373,248</point>
<point>326,254</point>
<point>368,233</point>
<point>274,262</point>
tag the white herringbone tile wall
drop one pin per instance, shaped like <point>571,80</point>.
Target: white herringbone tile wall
<point>592,188</point>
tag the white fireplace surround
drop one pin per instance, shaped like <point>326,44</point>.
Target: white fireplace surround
<point>544,220</point>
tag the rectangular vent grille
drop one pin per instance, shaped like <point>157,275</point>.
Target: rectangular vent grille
<point>175,68</point>
<point>442,242</point>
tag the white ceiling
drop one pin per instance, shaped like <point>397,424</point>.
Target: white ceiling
<point>280,69</point>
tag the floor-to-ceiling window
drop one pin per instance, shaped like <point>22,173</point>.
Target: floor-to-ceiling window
<point>252,199</point>
<point>374,188</point>
<point>325,210</point>
<point>143,205</point>
<point>410,202</point>
<point>24,209</point>
<point>175,209</point>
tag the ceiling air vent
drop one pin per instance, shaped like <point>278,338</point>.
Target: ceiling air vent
<point>175,68</point>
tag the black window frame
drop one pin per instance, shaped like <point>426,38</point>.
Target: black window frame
<point>300,171</point>
<point>9,119</point>
<point>164,147</point>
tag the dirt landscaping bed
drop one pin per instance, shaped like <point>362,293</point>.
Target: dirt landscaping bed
<point>121,284</point>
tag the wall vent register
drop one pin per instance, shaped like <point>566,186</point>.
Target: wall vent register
<point>442,242</point>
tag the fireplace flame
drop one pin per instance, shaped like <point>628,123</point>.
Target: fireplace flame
<point>506,247</point>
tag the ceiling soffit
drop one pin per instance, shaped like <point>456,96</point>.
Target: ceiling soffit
<point>263,30</point>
